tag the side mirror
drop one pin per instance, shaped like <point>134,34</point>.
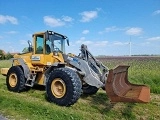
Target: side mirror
<point>67,41</point>
<point>29,43</point>
<point>30,49</point>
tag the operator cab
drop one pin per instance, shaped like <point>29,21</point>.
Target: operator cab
<point>49,41</point>
<point>46,43</point>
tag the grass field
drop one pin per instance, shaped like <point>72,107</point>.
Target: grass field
<point>32,105</point>
<point>143,70</point>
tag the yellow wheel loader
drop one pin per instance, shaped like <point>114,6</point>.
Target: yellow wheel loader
<point>67,76</point>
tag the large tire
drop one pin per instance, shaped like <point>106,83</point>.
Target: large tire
<point>63,87</point>
<point>15,79</point>
<point>89,90</point>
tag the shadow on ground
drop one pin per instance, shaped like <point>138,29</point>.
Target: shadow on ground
<point>101,102</point>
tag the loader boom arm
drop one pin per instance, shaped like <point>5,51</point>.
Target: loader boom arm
<point>85,54</point>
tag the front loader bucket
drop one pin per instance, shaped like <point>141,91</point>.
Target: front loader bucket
<point>119,89</point>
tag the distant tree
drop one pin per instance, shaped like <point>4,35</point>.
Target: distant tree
<point>9,56</point>
<point>2,56</point>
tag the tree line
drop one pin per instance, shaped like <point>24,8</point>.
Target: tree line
<point>4,56</point>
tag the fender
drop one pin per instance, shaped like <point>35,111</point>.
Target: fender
<point>24,65</point>
<point>53,66</point>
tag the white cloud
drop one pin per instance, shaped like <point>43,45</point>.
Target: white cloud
<point>23,42</point>
<point>92,43</point>
<point>120,43</point>
<point>67,19</point>
<point>85,31</point>
<point>53,22</point>
<point>87,16</point>
<point>112,29</point>
<point>80,40</point>
<point>6,18</point>
<point>156,12</point>
<point>29,35</point>
<point>99,9</point>
<point>83,40</point>
<point>134,31</point>
<point>56,22</point>
<point>129,31</point>
<point>101,43</point>
<point>154,38</point>
<point>87,42</point>
<point>11,32</point>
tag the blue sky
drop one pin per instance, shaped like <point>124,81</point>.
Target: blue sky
<point>105,26</point>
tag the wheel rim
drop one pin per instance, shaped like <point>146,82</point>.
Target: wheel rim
<point>13,80</point>
<point>58,88</point>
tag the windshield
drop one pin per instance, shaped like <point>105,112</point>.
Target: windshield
<point>57,41</point>
<point>58,45</point>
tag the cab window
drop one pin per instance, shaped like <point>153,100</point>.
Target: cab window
<point>48,47</point>
<point>39,44</point>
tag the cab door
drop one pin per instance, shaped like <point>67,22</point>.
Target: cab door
<point>38,56</point>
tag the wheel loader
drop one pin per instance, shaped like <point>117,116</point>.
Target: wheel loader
<point>67,76</point>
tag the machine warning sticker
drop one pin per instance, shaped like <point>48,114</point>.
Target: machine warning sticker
<point>35,58</point>
<point>49,63</point>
